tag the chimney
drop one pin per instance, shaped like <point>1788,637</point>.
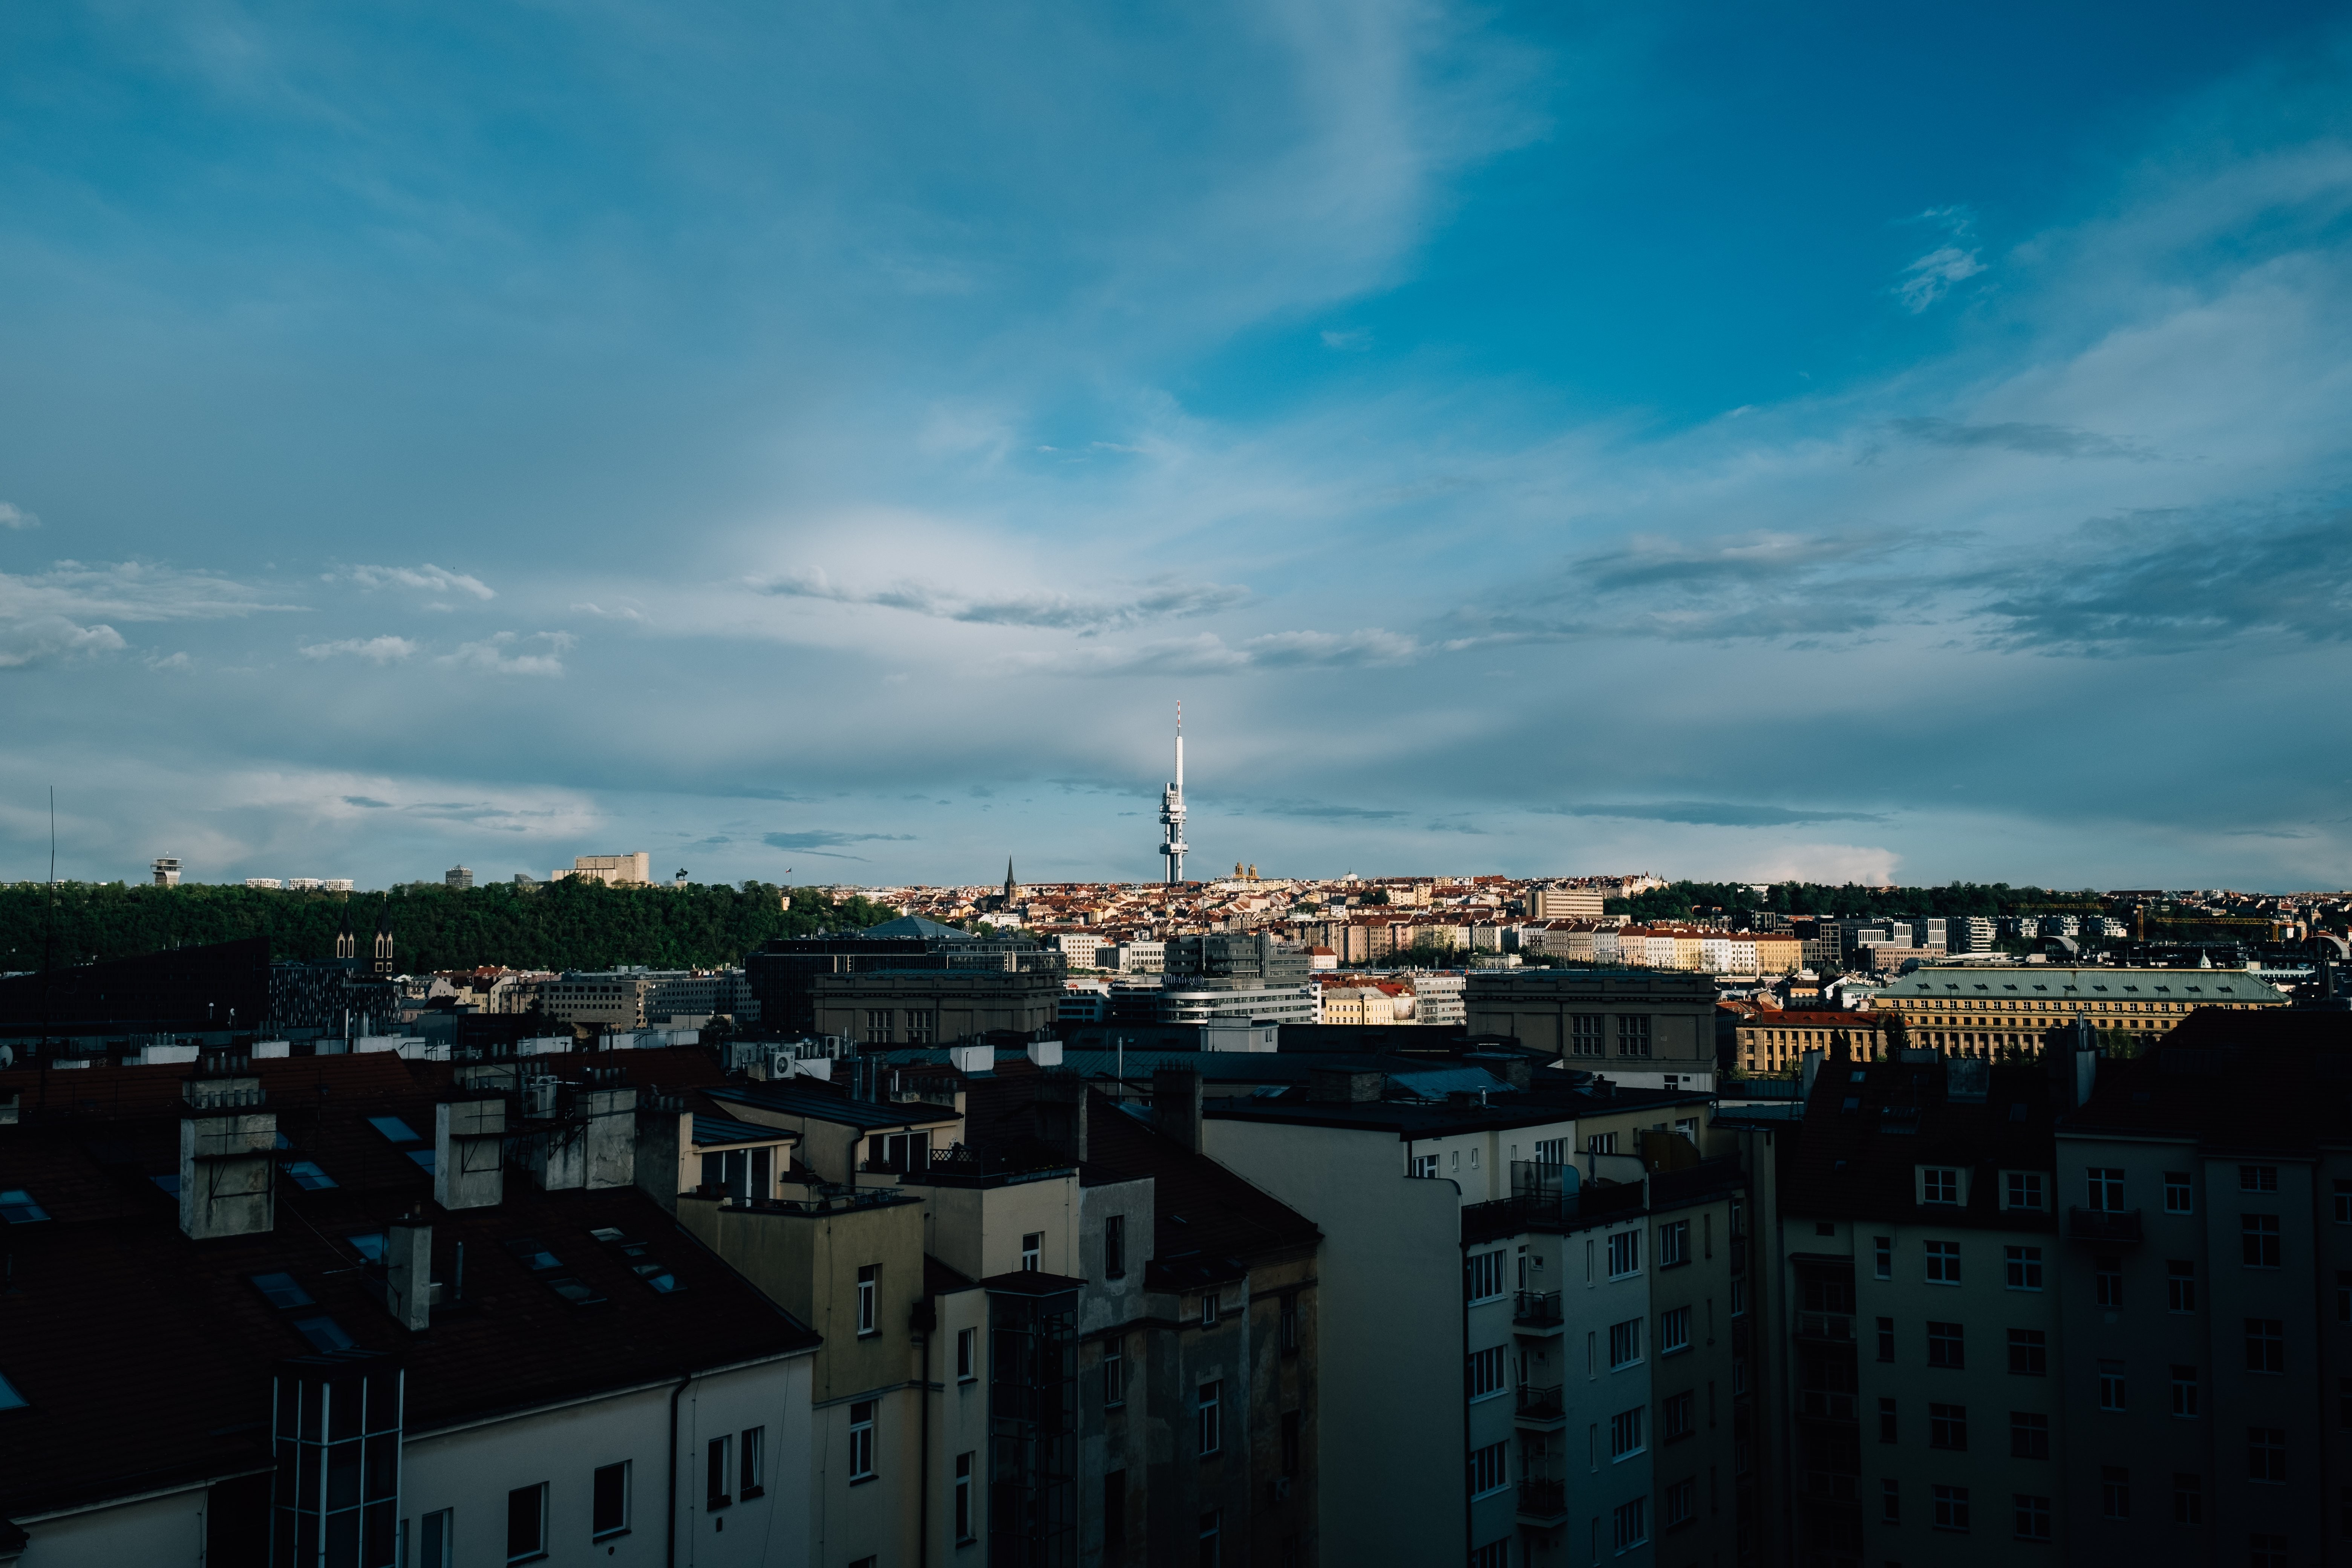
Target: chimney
<point>227,1158</point>
<point>1176,1105</point>
<point>1343,1085</point>
<point>408,1273</point>
<point>612,1114</point>
<point>1813,1070</point>
<point>469,1153</point>
<point>1059,1112</point>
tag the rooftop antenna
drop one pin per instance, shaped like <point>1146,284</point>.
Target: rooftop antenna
<point>1171,812</point>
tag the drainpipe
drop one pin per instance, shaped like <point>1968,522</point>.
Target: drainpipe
<point>671,1550</point>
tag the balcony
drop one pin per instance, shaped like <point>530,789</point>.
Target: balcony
<point>1540,1409</point>
<point>1536,1313</point>
<point>1828,1486</point>
<point>1824,1405</point>
<point>2102,1225</point>
<point>1825,1327</point>
<point>1542,1503</point>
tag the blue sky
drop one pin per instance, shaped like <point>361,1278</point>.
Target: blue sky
<point>827,443</point>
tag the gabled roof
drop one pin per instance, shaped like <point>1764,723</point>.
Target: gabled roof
<point>824,1105</point>
<point>1871,1125</point>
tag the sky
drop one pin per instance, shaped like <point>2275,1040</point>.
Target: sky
<point>824,444</point>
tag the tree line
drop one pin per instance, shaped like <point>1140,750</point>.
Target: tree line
<point>1679,901</point>
<point>571,924</point>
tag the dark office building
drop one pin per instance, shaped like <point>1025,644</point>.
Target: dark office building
<point>907,982</point>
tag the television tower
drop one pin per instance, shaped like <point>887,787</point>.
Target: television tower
<point>1171,811</point>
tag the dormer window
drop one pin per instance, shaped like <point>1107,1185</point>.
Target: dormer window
<point>18,1207</point>
<point>1941,1184</point>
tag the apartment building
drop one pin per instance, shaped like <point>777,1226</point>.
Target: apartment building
<point>1922,1375</point>
<point>1447,1294</point>
<point>907,982</point>
<point>1564,903</point>
<point>1775,1040</point>
<point>376,1311</point>
<point>1995,1012</point>
<point>1643,1027</point>
<point>632,870</point>
<point>2207,1293</point>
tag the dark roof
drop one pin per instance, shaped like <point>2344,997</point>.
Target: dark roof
<point>1420,1118</point>
<point>712,1131</point>
<point>915,925</point>
<point>146,1358</point>
<point>831,1105</point>
<point>2276,1079</point>
<point>1861,1142</point>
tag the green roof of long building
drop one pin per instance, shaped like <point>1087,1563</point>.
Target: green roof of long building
<point>2027,982</point>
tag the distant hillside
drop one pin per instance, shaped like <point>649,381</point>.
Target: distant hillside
<point>1679,901</point>
<point>554,925</point>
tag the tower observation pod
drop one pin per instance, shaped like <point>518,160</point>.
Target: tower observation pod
<point>1171,811</point>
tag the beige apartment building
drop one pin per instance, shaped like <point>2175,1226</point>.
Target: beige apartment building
<point>1985,1011</point>
<point>1775,1040</point>
<point>1565,903</point>
<point>632,870</point>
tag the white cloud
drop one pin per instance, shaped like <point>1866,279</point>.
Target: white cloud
<point>617,613</point>
<point>501,652</point>
<point>1348,341</point>
<point>375,650</point>
<point>12,516</point>
<point>1931,276</point>
<point>1159,599</point>
<point>41,639</point>
<point>428,577</point>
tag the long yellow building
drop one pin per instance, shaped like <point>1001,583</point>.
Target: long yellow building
<point>1982,1011</point>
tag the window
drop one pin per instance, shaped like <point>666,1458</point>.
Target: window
<point>434,1546</point>
<point>1890,1501</point>
<point>1624,1342</point>
<point>2115,1491</point>
<point>2184,1393</point>
<point>1484,1275</point>
<point>2258,1178</point>
<point>2258,1239</point>
<point>861,1440</point>
<point>608,1507</point>
<point>751,1477</point>
<point>1673,1243</point>
<point>1554,1151</point>
<point>715,1473</point>
<point>1485,1377</point>
<point>1634,1035</point>
<point>1952,1508</point>
<point>1943,1262</point>
<point>1886,1419</point>
<point>2111,1385</point>
<point>1674,1417</point>
<point>2032,1517</point>
<point>1600,1143</point>
<point>1211,1541</point>
<point>2029,1353</point>
<point>527,1523</point>
<point>1944,1345</point>
<point>1679,1505</point>
<point>868,1287</point>
<point>1289,1324</point>
<point>2343,1201</point>
<point>1673,1331</point>
<point>2029,1435</point>
<point>1883,1256</point>
<point>1940,1185</point>
<point>2187,1499</point>
<point>282,1290</point>
<point>1948,1426</point>
<point>2024,1268</point>
<point>1207,1417</point>
<point>1630,1522</point>
<point>967,1354</point>
<point>1886,1339</point>
<point>1585,1037</point>
<point>2265,1344</point>
<point>2266,1454</point>
<point>1489,1468</point>
<point>2023,1190</point>
<point>1625,1433</point>
<point>2344,1404</point>
<point>2177,1193</point>
<point>1425,1166</point>
<point>2265,1550</point>
<point>1290,1442</point>
<point>2342,1297</point>
<point>2106,1185</point>
<point>1115,1247</point>
<point>307,1175</point>
<point>2107,1280</point>
<point>2180,1285</point>
<point>1032,1248</point>
<point>877,1026</point>
<point>1625,1253</point>
<point>1114,1500</point>
<point>1209,1309</point>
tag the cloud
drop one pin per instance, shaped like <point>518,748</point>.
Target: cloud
<point>367,802</point>
<point>1351,341</point>
<point>1931,276</point>
<point>2038,440</point>
<point>1162,598</point>
<point>42,639</point>
<point>12,516</point>
<point>428,578</point>
<point>1325,811</point>
<point>2167,583</point>
<point>618,613</point>
<point>824,839</point>
<point>1714,814</point>
<point>1209,653</point>
<point>375,650</point>
<point>498,653</point>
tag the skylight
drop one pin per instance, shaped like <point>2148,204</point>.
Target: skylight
<point>307,1175</point>
<point>368,1244</point>
<point>9,1398</point>
<point>169,1181</point>
<point>528,1252</point>
<point>423,1158</point>
<point>283,1289</point>
<point>394,1128</point>
<point>323,1333</point>
<point>18,1207</point>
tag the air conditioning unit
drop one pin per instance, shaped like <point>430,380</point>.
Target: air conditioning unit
<point>539,1097</point>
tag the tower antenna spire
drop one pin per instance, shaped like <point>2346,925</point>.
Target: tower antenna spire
<point>1171,811</point>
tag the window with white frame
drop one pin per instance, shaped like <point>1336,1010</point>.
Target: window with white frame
<point>1625,1342</point>
<point>1674,1329</point>
<point>608,1502</point>
<point>1032,1251</point>
<point>527,1523</point>
<point>1625,1253</point>
<point>1679,1503</point>
<point>2022,1190</point>
<point>1208,1401</point>
<point>869,1287</point>
<point>1943,1262</point>
<point>1114,1373</point>
<point>1625,1433</point>
<point>718,1473</point>
<point>1551,1151</point>
<point>967,1354</point>
<point>1487,1275</point>
<point>1425,1166</point>
<point>861,1440</point>
<point>1630,1523</point>
<point>1674,1243</point>
<point>1940,1185</point>
<point>751,1465</point>
<point>2104,1188</point>
<point>2024,1268</point>
<point>1484,1373</point>
<point>1490,1469</point>
<point>964,1520</point>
